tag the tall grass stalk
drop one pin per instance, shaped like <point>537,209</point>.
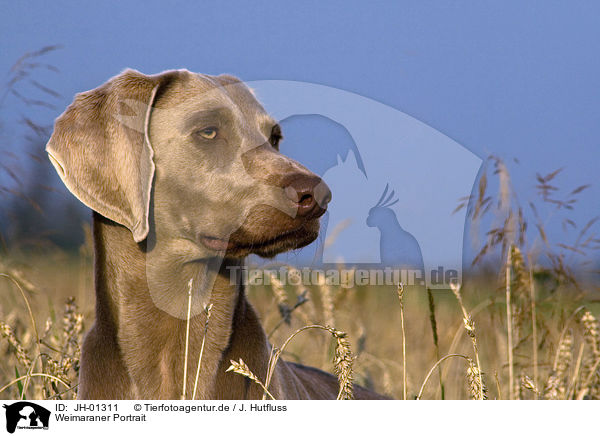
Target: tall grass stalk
<point>534,339</point>
<point>17,380</point>
<point>474,371</point>
<point>404,369</point>
<point>509,323</point>
<point>433,368</point>
<point>207,312</point>
<point>434,332</point>
<point>187,340</point>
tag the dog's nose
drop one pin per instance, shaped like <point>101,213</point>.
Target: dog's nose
<point>311,195</point>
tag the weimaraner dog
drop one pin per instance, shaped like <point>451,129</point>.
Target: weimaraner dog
<point>185,178</point>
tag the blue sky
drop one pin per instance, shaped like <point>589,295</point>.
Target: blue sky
<point>518,79</point>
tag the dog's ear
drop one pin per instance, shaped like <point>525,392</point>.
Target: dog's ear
<point>100,147</point>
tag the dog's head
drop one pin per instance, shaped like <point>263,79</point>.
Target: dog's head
<point>189,159</point>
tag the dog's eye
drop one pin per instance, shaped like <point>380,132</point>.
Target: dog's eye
<point>208,132</point>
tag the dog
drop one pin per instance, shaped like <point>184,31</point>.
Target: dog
<point>185,179</point>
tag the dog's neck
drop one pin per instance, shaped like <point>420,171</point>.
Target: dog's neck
<point>152,342</point>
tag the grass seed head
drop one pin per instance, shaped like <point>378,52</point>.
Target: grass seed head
<point>20,353</point>
<point>477,388</point>
<point>342,363</point>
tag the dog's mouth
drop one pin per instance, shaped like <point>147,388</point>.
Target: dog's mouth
<point>240,244</point>
<point>216,244</point>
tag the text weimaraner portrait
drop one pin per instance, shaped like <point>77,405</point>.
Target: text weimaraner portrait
<point>185,179</point>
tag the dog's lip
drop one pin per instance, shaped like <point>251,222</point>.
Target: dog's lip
<point>220,244</point>
<point>215,244</point>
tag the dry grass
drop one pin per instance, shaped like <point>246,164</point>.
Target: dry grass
<point>567,351</point>
<point>41,364</point>
<point>240,367</point>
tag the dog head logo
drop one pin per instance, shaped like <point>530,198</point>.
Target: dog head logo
<point>26,415</point>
